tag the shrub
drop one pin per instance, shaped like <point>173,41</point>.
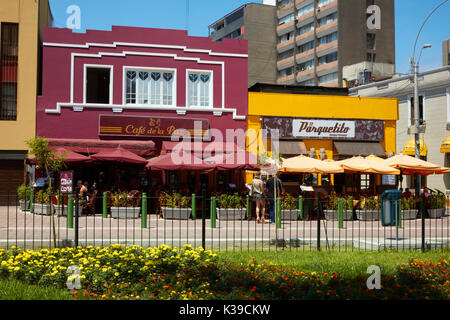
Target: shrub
<point>23,192</point>
<point>332,202</point>
<point>288,202</point>
<point>408,203</point>
<point>437,201</point>
<point>43,196</point>
<point>370,203</point>
<point>175,200</point>
<point>229,201</point>
<point>122,199</point>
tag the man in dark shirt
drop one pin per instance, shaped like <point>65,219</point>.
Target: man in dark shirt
<point>270,185</point>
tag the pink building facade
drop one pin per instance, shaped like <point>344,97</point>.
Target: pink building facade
<point>139,84</point>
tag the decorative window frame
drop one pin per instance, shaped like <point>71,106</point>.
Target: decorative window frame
<point>211,87</point>
<point>111,81</point>
<point>148,69</point>
<point>410,96</point>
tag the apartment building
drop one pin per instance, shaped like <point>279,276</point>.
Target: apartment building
<point>446,52</point>
<point>257,24</point>
<point>329,42</point>
<point>21,24</point>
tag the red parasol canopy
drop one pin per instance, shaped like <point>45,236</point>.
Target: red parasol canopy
<point>69,156</point>
<point>172,161</point>
<point>119,155</point>
<point>237,160</point>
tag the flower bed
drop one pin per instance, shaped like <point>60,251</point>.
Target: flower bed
<point>118,272</point>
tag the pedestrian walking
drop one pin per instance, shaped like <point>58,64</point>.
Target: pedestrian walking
<point>272,183</point>
<point>257,193</point>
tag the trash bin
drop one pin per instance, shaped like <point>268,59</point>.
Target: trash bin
<point>390,207</point>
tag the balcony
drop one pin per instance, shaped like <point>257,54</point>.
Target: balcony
<point>305,73</point>
<point>333,84</point>
<point>300,3</point>
<point>323,47</point>
<point>304,36</point>
<point>285,63</point>
<point>327,66</point>
<point>285,9</point>
<point>284,46</point>
<point>305,16</point>
<point>285,79</point>
<point>286,27</point>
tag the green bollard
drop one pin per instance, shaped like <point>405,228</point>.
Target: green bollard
<point>278,220</point>
<point>194,215</point>
<point>70,212</point>
<point>340,214</point>
<point>300,207</point>
<point>144,211</point>
<point>105,205</point>
<point>400,216</point>
<point>350,207</point>
<point>31,201</point>
<point>213,212</point>
<point>247,207</point>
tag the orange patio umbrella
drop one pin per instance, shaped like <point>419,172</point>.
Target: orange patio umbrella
<point>363,165</point>
<point>414,166</point>
<point>303,164</point>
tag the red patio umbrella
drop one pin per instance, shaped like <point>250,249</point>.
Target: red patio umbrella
<point>185,162</point>
<point>119,155</point>
<point>237,160</point>
<point>69,156</point>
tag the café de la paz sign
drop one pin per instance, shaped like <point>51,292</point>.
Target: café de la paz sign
<point>308,128</point>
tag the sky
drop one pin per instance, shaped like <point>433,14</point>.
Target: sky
<point>172,14</point>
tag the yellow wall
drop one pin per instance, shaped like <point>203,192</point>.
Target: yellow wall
<point>26,14</point>
<point>320,106</point>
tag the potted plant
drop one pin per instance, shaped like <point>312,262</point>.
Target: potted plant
<point>23,192</point>
<point>370,208</point>
<point>436,205</point>
<point>125,205</point>
<point>230,207</point>
<point>175,206</point>
<point>408,205</point>
<point>289,209</point>
<point>331,206</point>
<point>41,202</point>
<point>62,209</point>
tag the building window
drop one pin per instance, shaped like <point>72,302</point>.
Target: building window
<point>371,41</point>
<point>286,37</point>
<point>200,89</point>
<point>288,18</point>
<point>305,10</point>
<point>421,111</point>
<point>324,3</point>
<point>306,65</point>
<point>283,3</point>
<point>285,55</point>
<point>305,47</point>
<point>328,58</point>
<point>98,85</point>
<point>309,83</point>
<point>307,28</point>
<point>286,72</point>
<point>328,19</point>
<point>331,77</point>
<point>328,38</point>
<point>8,71</point>
<point>153,87</point>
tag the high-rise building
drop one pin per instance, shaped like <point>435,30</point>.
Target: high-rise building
<point>255,23</point>
<point>21,25</point>
<point>324,42</point>
<point>446,52</point>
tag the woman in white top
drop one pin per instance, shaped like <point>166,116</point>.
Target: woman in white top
<point>258,195</point>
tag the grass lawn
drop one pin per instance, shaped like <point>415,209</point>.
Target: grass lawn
<point>348,263</point>
<point>15,290</point>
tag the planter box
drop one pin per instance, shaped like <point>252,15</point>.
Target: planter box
<point>231,214</point>
<point>436,213</point>
<point>59,210</point>
<point>176,213</point>
<point>125,213</point>
<point>368,215</point>
<point>24,205</point>
<point>332,215</point>
<point>43,209</point>
<point>409,214</point>
<point>289,214</point>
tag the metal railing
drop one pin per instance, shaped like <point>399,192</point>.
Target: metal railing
<point>307,226</point>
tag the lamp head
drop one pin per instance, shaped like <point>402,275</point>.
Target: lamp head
<point>427,46</point>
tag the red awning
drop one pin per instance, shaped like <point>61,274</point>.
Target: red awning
<point>119,155</point>
<point>210,148</point>
<point>171,161</point>
<point>69,156</point>
<point>90,146</point>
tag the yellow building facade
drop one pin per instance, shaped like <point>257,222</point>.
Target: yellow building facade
<point>21,23</point>
<point>329,124</point>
